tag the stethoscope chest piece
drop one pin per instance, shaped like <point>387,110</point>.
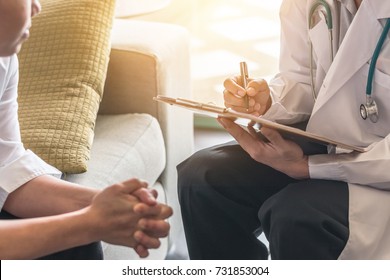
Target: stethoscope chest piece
<point>370,110</point>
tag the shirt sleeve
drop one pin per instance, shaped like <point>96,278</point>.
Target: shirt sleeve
<point>24,168</point>
<point>292,101</point>
<point>17,165</point>
<point>352,167</point>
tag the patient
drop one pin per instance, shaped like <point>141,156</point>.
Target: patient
<point>65,221</point>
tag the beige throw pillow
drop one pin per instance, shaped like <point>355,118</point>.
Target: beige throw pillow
<point>62,72</point>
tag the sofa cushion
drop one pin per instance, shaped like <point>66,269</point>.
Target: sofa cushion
<point>125,146</point>
<point>62,72</point>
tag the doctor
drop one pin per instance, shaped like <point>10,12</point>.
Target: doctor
<point>311,202</point>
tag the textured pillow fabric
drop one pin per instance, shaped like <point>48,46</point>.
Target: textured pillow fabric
<point>62,72</point>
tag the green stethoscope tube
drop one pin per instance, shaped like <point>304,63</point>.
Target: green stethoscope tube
<point>329,22</point>
<point>375,57</point>
<point>325,5</point>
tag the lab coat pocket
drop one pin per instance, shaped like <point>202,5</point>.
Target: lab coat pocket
<point>381,95</point>
<point>319,37</point>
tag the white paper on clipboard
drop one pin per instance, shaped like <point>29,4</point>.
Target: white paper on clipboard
<point>215,111</point>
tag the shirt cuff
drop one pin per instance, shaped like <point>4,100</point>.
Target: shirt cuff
<point>27,167</point>
<point>324,166</point>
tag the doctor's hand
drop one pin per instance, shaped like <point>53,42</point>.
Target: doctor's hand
<point>279,153</point>
<point>258,93</point>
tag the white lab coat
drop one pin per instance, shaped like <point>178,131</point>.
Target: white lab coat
<point>335,114</point>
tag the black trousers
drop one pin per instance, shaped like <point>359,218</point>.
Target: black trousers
<point>91,251</point>
<point>227,199</point>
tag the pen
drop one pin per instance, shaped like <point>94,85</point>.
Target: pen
<point>244,81</point>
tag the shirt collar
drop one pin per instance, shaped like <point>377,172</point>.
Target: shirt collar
<point>349,5</point>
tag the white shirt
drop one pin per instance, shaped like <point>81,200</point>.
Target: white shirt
<point>17,165</point>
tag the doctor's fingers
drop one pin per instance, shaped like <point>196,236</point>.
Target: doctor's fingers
<point>274,137</point>
<point>247,140</point>
<point>259,92</point>
<point>255,133</point>
<point>237,103</point>
<point>234,94</point>
<point>257,86</point>
<point>232,85</point>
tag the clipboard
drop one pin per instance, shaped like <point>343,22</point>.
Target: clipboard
<point>240,118</point>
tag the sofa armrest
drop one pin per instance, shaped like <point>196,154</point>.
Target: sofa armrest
<point>149,59</point>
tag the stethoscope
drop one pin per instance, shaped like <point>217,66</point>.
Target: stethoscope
<point>370,108</point>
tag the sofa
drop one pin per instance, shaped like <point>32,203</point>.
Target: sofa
<point>136,136</point>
